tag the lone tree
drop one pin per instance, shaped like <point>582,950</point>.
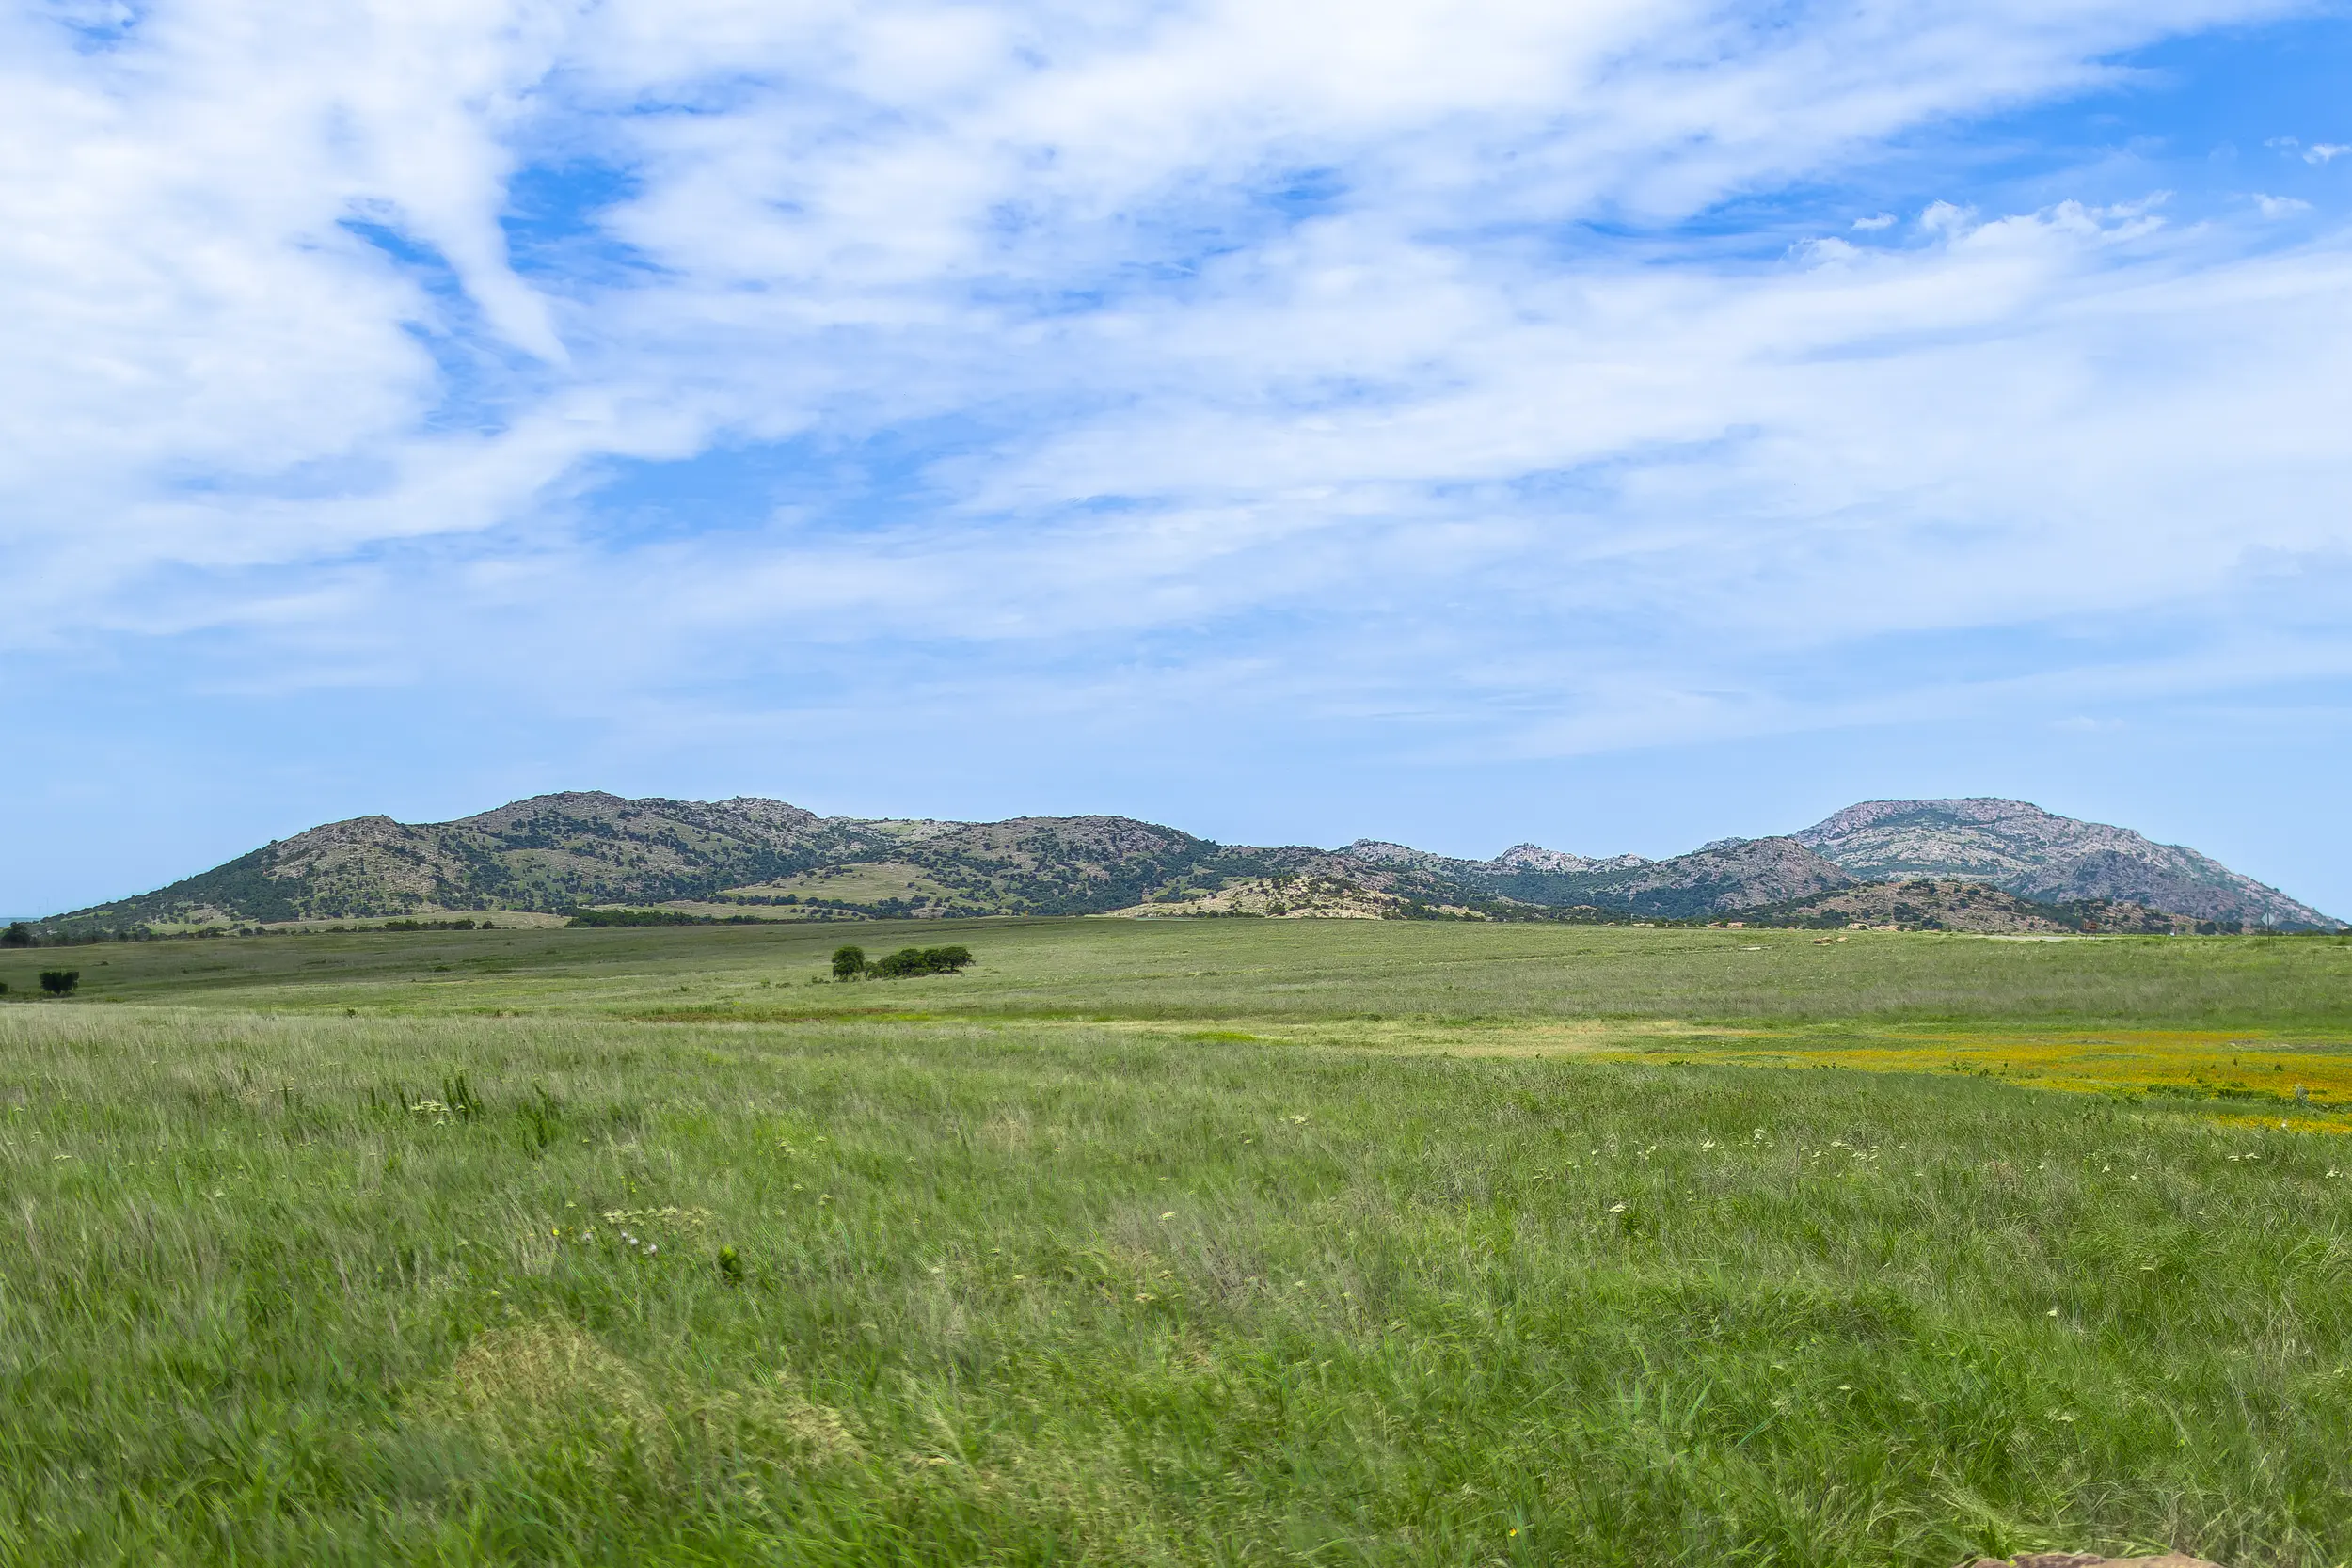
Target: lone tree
<point>60,982</point>
<point>848,962</point>
<point>17,935</point>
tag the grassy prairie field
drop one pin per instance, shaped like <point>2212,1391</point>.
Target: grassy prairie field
<point>1231,1242</point>
<point>1303,969</point>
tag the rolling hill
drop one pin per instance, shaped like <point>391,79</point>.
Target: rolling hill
<point>753,858</point>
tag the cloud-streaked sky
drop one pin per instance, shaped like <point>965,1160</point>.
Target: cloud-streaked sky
<point>1615,423</point>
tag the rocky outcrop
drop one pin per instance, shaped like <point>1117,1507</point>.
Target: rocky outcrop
<point>1736,874</point>
<point>2020,849</point>
<point>1375,851</point>
<point>1535,857</point>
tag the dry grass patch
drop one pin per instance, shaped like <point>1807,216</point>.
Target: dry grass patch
<point>549,1387</point>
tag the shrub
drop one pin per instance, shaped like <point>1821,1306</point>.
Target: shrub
<point>60,982</point>
<point>17,935</point>
<point>848,962</point>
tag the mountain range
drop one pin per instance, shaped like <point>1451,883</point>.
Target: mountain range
<point>1943,860</point>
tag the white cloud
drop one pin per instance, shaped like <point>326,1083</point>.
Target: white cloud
<point>2280,206</point>
<point>234,404</point>
<point>2318,153</point>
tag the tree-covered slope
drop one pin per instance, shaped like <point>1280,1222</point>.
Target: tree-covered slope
<point>550,852</point>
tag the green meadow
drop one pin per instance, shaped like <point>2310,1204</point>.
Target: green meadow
<point>1298,971</point>
<point>1178,1241</point>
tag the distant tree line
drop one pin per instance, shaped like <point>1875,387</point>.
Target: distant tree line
<point>655,917</point>
<point>21,933</point>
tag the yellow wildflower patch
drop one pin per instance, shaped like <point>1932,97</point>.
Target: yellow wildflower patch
<point>2240,1077</point>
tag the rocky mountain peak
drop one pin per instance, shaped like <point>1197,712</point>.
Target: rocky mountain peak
<point>1535,857</point>
<point>2022,848</point>
<point>1380,852</point>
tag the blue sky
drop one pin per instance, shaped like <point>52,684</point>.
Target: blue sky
<point>1617,425</point>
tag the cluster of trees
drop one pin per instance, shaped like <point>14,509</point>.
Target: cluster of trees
<point>56,982</point>
<point>849,963</point>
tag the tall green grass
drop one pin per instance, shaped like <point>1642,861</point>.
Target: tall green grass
<point>315,1289</point>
